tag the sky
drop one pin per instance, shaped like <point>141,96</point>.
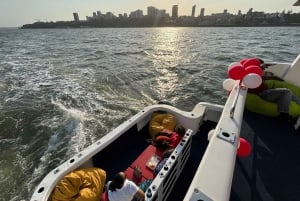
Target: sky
<point>15,13</point>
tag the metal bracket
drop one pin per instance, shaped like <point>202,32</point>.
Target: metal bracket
<point>199,196</point>
<point>227,136</point>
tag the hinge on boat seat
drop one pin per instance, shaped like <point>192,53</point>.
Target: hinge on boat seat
<point>199,196</point>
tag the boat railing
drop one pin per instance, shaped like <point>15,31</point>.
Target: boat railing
<point>213,177</point>
<point>162,184</point>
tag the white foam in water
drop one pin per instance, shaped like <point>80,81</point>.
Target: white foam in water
<point>74,125</point>
<point>52,144</point>
<point>72,112</point>
<point>69,127</point>
<point>79,109</point>
<point>2,86</point>
<point>46,84</point>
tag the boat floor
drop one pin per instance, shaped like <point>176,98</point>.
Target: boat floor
<point>127,148</point>
<point>270,173</point>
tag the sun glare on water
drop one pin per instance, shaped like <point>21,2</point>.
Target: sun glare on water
<point>167,56</point>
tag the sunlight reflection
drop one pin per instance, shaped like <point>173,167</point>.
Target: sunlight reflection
<point>167,58</point>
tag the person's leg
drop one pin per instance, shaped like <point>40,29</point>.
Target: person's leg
<point>281,96</point>
<point>296,99</point>
<point>284,101</point>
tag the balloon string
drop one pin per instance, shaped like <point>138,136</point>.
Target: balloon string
<point>240,83</point>
<point>232,110</point>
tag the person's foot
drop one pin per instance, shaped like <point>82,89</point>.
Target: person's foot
<point>297,123</point>
<point>286,117</point>
<point>283,116</point>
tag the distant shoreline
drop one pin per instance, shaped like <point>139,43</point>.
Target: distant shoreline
<point>221,20</point>
<point>251,19</point>
<point>70,25</point>
<point>215,26</point>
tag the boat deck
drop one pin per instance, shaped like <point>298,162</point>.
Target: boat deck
<point>129,146</point>
<point>124,150</point>
<point>270,173</point>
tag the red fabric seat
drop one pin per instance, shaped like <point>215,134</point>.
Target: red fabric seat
<point>143,158</point>
<point>104,196</point>
<point>130,175</point>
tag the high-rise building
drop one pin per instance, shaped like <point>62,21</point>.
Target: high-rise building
<point>156,13</point>
<point>109,15</point>
<point>250,11</point>
<point>162,13</point>
<point>152,11</point>
<point>202,12</point>
<point>193,10</point>
<point>136,14</point>
<point>175,11</point>
<point>76,17</point>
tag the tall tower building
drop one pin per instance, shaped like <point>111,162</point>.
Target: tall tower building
<point>76,17</point>
<point>193,10</point>
<point>136,14</point>
<point>175,11</point>
<point>202,12</point>
<point>152,11</point>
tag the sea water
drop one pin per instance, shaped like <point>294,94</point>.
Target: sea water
<point>62,89</point>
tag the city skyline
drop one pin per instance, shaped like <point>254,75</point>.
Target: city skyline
<point>16,13</point>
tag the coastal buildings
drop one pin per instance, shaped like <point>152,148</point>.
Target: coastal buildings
<point>202,12</point>
<point>136,14</point>
<point>216,19</point>
<point>193,10</point>
<point>175,11</point>
<point>76,17</point>
<point>159,17</point>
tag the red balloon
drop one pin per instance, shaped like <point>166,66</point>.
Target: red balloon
<point>244,149</point>
<point>253,69</point>
<point>251,62</point>
<point>243,60</point>
<point>236,72</point>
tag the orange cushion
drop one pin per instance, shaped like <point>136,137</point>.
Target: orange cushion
<point>84,184</point>
<point>160,122</point>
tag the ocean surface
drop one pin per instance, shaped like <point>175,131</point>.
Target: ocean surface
<point>62,89</point>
